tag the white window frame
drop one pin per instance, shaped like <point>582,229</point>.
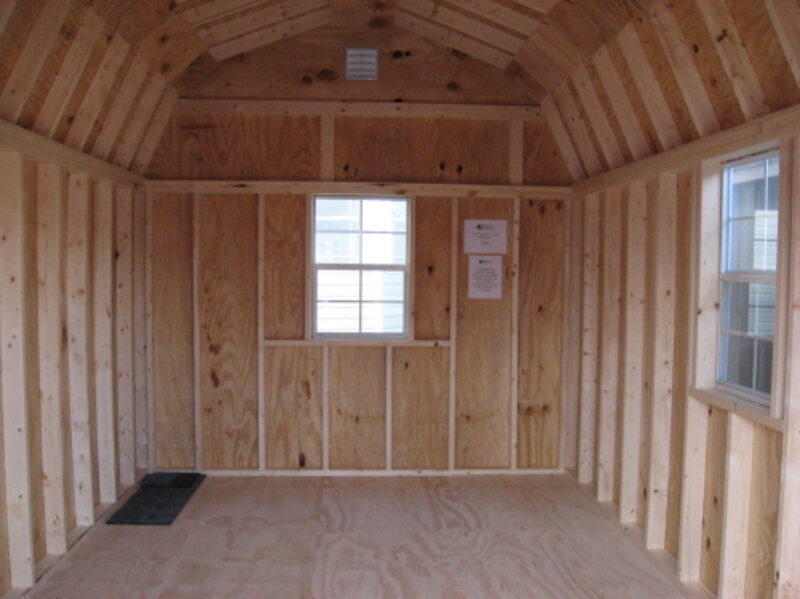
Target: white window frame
<point>361,267</point>
<point>749,394</point>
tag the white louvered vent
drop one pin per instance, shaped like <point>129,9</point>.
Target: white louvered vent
<point>362,64</point>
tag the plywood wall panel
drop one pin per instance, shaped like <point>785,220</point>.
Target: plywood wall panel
<point>712,505</point>
<point>483,382</point>
<point>421,150</point>
<point>285,250</point>
<point>420,392</point>
<point>293,407</point>
<point>196,146</point>
<point>541,307</point>
<point>227,275</point>
<point>358,408</point>
<point>170,273</point>
<point>432,239</point>
<point>544,164</point>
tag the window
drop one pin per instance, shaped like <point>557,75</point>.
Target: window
<point>749,260</point>
<point>360,267</point>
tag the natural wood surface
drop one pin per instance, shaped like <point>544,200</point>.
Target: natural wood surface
<point>293,407</point>
<point>227,240</point>
<point>432,231</point>
<point>285,248</point>
<point>420,391</point>
<point>483,379</point>
<point>542,251</point>
<point>170,287</point>
<point>712,504</point>
<point>358,409</point>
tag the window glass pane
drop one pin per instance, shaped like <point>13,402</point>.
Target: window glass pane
<point>752,243</point>
<point>749,308</point>
<point>382,318</point>
<point>383,285</point>
<point>337,285</point>
<point>337,248</point>
<point>737,360</point>
<point>773,174</point>
<point>337,318</point>
<point>764,366</point>
<point>385,215</point>
<point>747,189</point>
<point>384,248</point>
<point>336,214</point>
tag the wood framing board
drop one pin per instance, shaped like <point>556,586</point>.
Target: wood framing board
<point>357,408</point>
<point>420,392</point>
<point>227,275</point>
<point>713,500</point>
<point>285,248</point>
<point>140,343</point>
<point>293,407</point>
<point>483,388</point>
<point>542,251</point>
<point>432,232</point>
<point>589,338</point>
<point>16,368</point>
<point>169,257</point>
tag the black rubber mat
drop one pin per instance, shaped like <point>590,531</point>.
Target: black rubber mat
<point>159,500</point>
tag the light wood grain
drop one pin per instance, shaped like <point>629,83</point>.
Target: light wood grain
<point>293,407</point>
<point>227,240</point>
<point>358,408</point>
<point>432,231</point>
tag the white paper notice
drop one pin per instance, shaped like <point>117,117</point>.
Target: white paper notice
<point>485,277</point>
<point>485,236</point>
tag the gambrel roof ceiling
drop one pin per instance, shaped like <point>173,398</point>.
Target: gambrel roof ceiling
<point>617,80</point>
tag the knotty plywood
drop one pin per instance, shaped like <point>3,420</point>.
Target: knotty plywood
<point>293,405</point>
<point>285,250</point>
<point>420,393</point>
<point>170,272</point>
<point>712,505</point>
<point>421,150</point>
<point>544,164</point>
<point>483,356</point>
<point>541,306</point>
<point>227,282</point>
<point>432,239</point>
<point>358,407</point>
<point>763,524</point>
<point>232,146</point>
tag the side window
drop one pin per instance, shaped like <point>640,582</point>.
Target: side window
<point>748,272</point>
<point>360,267</point>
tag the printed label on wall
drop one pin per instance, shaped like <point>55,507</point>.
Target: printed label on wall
<point>485,236</point>
<point>485,277</point>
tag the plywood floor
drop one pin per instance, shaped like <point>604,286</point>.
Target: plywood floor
<point>387,538</point>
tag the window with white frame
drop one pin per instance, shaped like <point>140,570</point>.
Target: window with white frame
<point>748,273</point>
<point>360,267</point>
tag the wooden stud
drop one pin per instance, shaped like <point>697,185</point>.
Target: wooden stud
<point>514,374</point>
<point>104,343</point>
<point>657,108</point>
<point>31,59</point>
<point>563,140</point>
<point>609,344</point>
<point>69,74</point>
<point>50,210</point>
<point>140,337</point>
<point>454,255</point>
<point>326,408</point>
<point>597,117</point>
<point>196,334</point>
<point>79,312</point>
<point>327,144</point>
<point>571,387</point>
<point>621,104</point>
<point>736,507</point>
<point>589,339</point>
<point>15,379</point>
<point>577,128</point>
<point>662,332</point>
<point>680,58</point>
<point>139,121</point>
<point>785,17</point>
<point>98,91</point>
<point>633,328</point>
<point>388,394</point>
<point>261,334</point>
<point>155,130</point>
<point>124,336</point>
<point>733,54</point>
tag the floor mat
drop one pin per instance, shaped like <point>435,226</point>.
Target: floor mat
<point>159,500</point>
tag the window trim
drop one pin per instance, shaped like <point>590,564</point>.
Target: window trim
<point>406,269</point>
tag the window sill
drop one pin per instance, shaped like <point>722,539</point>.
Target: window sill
<point>354,343</point>
<point>737,405</point>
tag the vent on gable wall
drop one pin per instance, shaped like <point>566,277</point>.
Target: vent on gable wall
<point>362,64</point>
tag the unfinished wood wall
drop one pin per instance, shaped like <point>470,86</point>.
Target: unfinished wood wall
<point>72,330</point>
<point>239,385</point>
<point>699,478</point>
